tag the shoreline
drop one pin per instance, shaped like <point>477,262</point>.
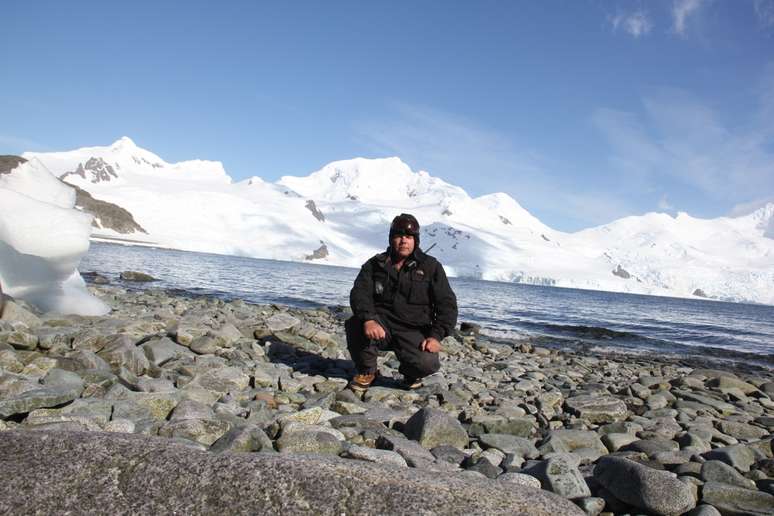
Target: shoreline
<point>229,376</point>
<point>686,297</point>
<point>741,361</point>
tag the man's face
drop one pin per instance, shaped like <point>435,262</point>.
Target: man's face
<point>402,245</point>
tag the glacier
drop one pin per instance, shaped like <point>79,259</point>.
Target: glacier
<point>345,208</point>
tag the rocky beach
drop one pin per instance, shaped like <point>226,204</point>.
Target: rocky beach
<point>505,426</point>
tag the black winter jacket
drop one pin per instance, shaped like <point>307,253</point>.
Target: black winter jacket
<point>419,295</point>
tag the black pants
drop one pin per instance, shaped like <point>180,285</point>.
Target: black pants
<point>404,341</point>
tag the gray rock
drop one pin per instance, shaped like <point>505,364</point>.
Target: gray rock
<point>693,441</point>
<point>145,384</point>
<point>592,505</point>
<point>521,479</point>
<point>512,462</point>
<point>723,383</point>
<point>130,474</point>
<point>265,375</point>
<point>616,441</point>
<point>120,350</point>
<point>282,322</point>
<point>222,380</point>
<point>294,426</point>
<point>569,441</point>
<point>14,311</point>
<point>433,427</point>
<point>243,439</point>
<point>374,455</point>
<point>136,276</point>
<point>447,453</point>
<point>651,446</point>
<point>560,475</point>
<point>409,450</point>
<point>85,359</point>
<point>597,409</point>
<point>734,501</point>
<point>739,456</point>
<point>717,471</point>
<point>703,510</point>
<point>484,466</point>
<point>10,362</point>
<point>741,430</point>
<point>203,431</point>
<point>191,409</point>
<point>22,340</point>
<point>59,387</point>
<point>719,405</point>
<point>161,351</point>
<point>92,413</point>
<point>204,345</point>
<point>136,406</point>
<point>500,424</point>
<point>309,442</point>
<point>510,444</point>
<point>649,489</point>
<point>310,416</point>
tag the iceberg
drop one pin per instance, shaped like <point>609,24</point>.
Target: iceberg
<point>42,240</point>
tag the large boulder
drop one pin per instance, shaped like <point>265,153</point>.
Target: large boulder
<point>59,472</point>
<point>433,427</point>
<point>655,491</point>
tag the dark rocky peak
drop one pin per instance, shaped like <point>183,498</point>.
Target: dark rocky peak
<point>311,206</point>
<point>8,163</point>
<point>95,170</point>
<point>143,161</point>
<point>106,215</point>
<point>319,253</point>
<point>621,272</point>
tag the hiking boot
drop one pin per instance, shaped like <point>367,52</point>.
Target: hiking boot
<point>410,384</point>
<point>361,382</point>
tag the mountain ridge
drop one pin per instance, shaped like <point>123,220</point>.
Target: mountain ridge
<point>346,206</point>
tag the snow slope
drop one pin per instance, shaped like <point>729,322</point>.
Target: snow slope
<point>343,210</point>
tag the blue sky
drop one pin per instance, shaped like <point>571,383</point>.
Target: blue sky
<point>583,111</point>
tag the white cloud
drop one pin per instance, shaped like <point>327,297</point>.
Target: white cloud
<point>678,139</point>
<point>664,205</point>
<point>764,9</point>
<point>636,23</point>
<point>681,11</point>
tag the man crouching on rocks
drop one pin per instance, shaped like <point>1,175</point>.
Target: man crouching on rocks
<point>402,301</point>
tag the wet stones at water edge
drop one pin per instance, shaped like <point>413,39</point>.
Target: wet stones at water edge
<point>135,276</point>
<point>604,434</point>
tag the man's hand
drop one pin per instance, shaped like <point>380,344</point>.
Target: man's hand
<point>373,330</point>
<point>431,345</point>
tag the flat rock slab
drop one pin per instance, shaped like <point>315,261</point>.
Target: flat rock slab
<point>597,409</point>
<point>59,472</point>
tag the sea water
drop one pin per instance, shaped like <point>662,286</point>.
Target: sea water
<point>583,319</point>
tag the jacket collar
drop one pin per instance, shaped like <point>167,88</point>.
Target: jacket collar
<point>416,258</point>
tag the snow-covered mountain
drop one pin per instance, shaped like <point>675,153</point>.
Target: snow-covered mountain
<point>339,215</point>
